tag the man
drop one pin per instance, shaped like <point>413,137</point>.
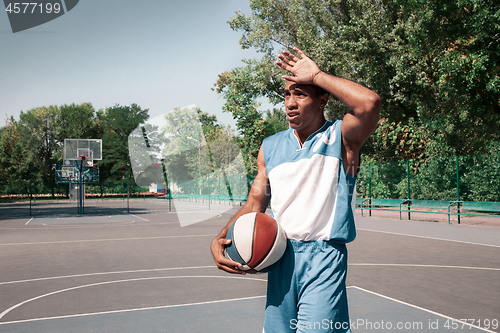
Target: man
<point>308,172</point>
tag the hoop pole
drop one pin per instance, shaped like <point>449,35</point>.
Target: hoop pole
<point>128,194</point>
<point>80,201</point>
<point>30,195</point>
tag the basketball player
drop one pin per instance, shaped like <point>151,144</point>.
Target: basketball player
<point>309,172</point>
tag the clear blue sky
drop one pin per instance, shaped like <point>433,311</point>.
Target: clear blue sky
<point>159,54</point>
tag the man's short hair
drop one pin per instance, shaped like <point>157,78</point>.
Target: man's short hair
<point>320,91</point>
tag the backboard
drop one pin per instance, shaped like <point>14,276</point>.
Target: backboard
<point>75,148</point>
<point>70,174</point>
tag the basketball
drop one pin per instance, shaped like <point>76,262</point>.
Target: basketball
<point>257,241</point>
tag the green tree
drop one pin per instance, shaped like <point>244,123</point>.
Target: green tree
<point>276,121</point>
<point>185,152</point>
<point>434,63</point>
<point>116,123</point>
<point>39,147</point>
<point>197,145</point>
<point>242,87</point>
<point>480,176</point>
<point>31,146</point>
<point>77,122</point>
<point>14,169</point>
<point>12,162</point>
<point>251,125</point>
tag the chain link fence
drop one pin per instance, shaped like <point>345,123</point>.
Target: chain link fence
<point>215,186</point>
<point>460,178</point>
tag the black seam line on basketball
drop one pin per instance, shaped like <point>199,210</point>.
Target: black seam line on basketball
<point>236,248</point>
<point>253,239</point>
<point>232,242</point>
<point>274,241</point>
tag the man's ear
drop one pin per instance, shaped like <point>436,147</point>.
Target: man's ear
<point>323,100</point>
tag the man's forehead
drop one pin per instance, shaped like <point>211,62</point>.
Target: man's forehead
<point>290,85</point>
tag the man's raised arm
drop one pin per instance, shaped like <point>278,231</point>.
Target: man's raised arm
<point>364,104</point>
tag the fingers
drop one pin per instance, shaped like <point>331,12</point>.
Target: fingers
<point>289,78</point>
<point>290,61</point>
<point>291,55</point>
<point>289,58</point>
<point>284,66</point>
<point>286,60</point>
<point>299,52</point>
<point>230,266</point>
<point>224,242</point>
<point>221,261</point>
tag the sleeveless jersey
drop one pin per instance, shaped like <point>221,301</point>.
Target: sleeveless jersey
<point>312,196</point>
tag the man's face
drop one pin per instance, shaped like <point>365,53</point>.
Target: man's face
<point>303,106</point>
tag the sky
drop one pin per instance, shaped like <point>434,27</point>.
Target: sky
<point>159,54</point>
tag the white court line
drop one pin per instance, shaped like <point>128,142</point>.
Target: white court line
<point>28,221</point>
<point>95,224</point>
<point>139,217</point>
<point>137,309</point>
<point>420,308</point>
<point>107,240</point>
<point>89,226</point>
<point>427,237</point>
<point>424,266</point>
<point>122,281</point>
<point>105,273</point>
<point>202,267</point>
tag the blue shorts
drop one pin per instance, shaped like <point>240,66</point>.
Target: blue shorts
<point>306,291</point>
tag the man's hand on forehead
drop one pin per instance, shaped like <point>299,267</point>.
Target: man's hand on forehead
<point>304,69</point>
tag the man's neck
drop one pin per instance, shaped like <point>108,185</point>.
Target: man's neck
<point>302,136</point>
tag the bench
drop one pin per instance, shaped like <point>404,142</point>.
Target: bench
<point>209,197</point>
<point>381,204</point>
<point>476,206</point>
<point>451,207</point>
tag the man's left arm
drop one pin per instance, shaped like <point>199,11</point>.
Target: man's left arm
<point>360,122</point>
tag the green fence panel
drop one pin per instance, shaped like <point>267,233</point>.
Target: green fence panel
<point>462,178</point>
<point>465,178</point>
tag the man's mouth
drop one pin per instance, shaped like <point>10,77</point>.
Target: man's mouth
<point>292,115</point>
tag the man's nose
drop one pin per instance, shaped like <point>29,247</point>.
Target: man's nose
<point>291,103</point>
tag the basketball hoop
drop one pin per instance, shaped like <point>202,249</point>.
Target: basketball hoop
<point>85,151</point>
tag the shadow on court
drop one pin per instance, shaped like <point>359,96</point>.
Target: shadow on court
<point>114,271</point>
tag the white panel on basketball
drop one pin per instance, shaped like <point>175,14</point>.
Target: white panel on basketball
<point>241,232</point>
<point>276,251</point>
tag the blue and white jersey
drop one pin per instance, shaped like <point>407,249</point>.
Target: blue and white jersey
<point>312,196</point>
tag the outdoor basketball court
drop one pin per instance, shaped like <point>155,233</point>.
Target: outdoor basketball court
<point>110,270</point>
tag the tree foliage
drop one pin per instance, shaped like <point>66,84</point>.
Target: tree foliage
<point>116,124</point>
<point>11,152</point>
<point>434,63</point>
<point>184,134</point>
<point>31,146</point>
<point>77,122</point>
<point>196,144</point>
